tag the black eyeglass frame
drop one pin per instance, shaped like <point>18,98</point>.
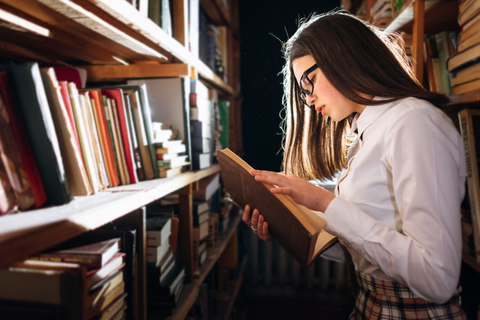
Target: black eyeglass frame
<point>304,92</point>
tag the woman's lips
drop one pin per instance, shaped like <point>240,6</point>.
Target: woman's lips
<point>321,109</point>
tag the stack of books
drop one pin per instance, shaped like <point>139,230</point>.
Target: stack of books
<point>171,158</point>
<point>202,126</point>
<point>164,274</point>
<point>465,64</point>
<point>77,283</point>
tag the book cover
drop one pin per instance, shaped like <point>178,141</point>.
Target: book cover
<point>97,166</point>
<point>141,133</point>
<point>94,255</point>
<point>158,229</point>
<point>201,160</point>
<point>68,106</point>
<point>12,162</point>
<point>144,111</point>
<point>464,58</point>
<point>95,277</point>
<point>137,156</point>
<point>111,131</point>
<point>36,113</point>
<point>83,136</point>
<point>22,140</point>
<point>471,9</point>
<point>71,154</point>
<point>104,134</point>
<point>102,166</point>
<point>297,229</point>
<point>117,143</point>
<point>117,96</point>
<point>8,203</point>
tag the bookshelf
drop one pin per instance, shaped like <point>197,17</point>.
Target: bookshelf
<point>115,42</point>
<point>429,17</point>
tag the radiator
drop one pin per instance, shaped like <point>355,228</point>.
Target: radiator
<point>270,265</point>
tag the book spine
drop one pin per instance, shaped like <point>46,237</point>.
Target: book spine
<point>22,140</point>
<point>41,131</point>
<point>87,260</point>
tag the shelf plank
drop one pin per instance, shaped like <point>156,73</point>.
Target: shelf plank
<point>467,97</point>
<point>36,230</point>
<point>441,16</point>
<point>87,19</point>
<point>191,290</point>
<point>132,71</point>
<point>129,16</point>
<point>71,25</point>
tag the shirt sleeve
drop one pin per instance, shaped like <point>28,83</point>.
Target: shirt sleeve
<point>334,253</point>
<point>424,154</point>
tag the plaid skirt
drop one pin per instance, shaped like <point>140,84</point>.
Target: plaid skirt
<point>380,299</point>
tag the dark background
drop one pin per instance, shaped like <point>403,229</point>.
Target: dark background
<point>264,26</point>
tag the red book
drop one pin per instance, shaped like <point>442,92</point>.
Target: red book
<point>68,106</point>
<point>117,96</point>
<point>22,140</point>
<point>94,255</point>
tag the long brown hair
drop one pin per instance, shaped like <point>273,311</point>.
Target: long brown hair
<point>359,60</point>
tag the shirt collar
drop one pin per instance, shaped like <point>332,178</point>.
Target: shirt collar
<point>368,116</point>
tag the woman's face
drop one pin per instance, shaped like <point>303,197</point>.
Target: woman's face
<point>325,98</point>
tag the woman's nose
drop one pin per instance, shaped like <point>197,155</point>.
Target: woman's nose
<point>310,99</point>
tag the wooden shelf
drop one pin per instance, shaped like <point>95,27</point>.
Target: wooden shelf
<point>191,290</point>
<point>29,232</point>
<point>467,97</point>
<point>442,15</point>
<point>96,32</point>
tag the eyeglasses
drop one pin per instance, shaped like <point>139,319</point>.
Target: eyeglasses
<point>306,85</point>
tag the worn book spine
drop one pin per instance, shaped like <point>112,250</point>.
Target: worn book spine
<point>22,140</point>
<point>117,96</point>
<point>141,134</point>
<point>41,131</point>
<point>71,154</point>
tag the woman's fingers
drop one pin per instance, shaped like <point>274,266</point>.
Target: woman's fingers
<point>246,215</point>
<point>254,220</point>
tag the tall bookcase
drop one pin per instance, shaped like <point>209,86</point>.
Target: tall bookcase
<point>114,42</point>
<point>429,17</point>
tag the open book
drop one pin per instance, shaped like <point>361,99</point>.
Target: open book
<point>296,228</point>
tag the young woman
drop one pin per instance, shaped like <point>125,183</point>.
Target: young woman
<point>396,207</point>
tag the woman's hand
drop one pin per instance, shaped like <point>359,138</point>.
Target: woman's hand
<point>257,223</point>
<point>301,191</point>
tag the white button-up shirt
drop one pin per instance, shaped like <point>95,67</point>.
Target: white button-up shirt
<point>397,209</point>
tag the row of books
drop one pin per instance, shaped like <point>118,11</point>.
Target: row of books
<point>59,139</point>
<point>90,281</point>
